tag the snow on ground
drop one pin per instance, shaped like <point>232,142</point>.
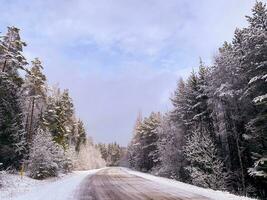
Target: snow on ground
<point>218,195</point>
<point>61,188</point>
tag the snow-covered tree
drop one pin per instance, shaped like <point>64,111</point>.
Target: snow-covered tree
<point>143,148</point>
<point>225,90</point>
<point>58,117</point>
<point>170,144</point>
<point>12,134</point>
<point>206,169</point>
<point>11,58</point>
<point>134,147</point>
<point>253,49</point>
<point>45,158</point>
<point>35,90</point>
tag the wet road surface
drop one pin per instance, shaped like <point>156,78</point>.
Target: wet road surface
<point>118,184</point>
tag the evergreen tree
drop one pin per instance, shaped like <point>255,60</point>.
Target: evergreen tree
<point>45,156</point>
<point>254,68</point>
<point>81,136</point>
<point>114,154</point>
<point>36,93</point>
<point>103,150</point>
<point>148,141</point>
<point>11,58</point>
<point>134,148</point>
<point>170,143</point>
<point>58,117</point>
<point>12,134</point>
<point>206,169</point>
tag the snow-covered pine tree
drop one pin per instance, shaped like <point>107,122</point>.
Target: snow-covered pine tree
<point>170,144</point>
<point>201,109</point>
<point>149,157</point>
<point>45,158</point>
<point>206,169</point>
<point>134,148</point>
<point>191,97</point>
<point>35,91</point>
<point>179,113</point>
<point>11,58</point>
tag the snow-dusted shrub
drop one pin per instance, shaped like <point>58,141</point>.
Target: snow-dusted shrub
<point>88,157</point>
<point>45,158</point>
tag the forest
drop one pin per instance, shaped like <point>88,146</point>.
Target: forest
<point>39,131</point>
<point>215,135</point>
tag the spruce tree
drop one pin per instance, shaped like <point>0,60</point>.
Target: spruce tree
<point>206,169</point>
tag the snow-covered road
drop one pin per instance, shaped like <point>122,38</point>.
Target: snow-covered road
<point>116,184</point>
<point>125,184</point>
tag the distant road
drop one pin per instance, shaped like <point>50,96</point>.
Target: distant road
<point>118,184</point>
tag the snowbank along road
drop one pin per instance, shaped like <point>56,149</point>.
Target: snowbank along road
<point>118,184</point>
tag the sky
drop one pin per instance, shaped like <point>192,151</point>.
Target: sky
<point>121,57</point>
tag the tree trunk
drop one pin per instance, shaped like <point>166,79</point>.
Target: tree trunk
<point>31,120</point>
<point>241,166</point>
<point>27,122</point>
<point>4,66</point>
<point>238,149</point>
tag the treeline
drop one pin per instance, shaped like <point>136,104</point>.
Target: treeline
<point>112,153</point>
<point>38,127</point>
<point>215,136</point>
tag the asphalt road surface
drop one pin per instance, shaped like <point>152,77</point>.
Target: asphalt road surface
<point>118,184</point>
